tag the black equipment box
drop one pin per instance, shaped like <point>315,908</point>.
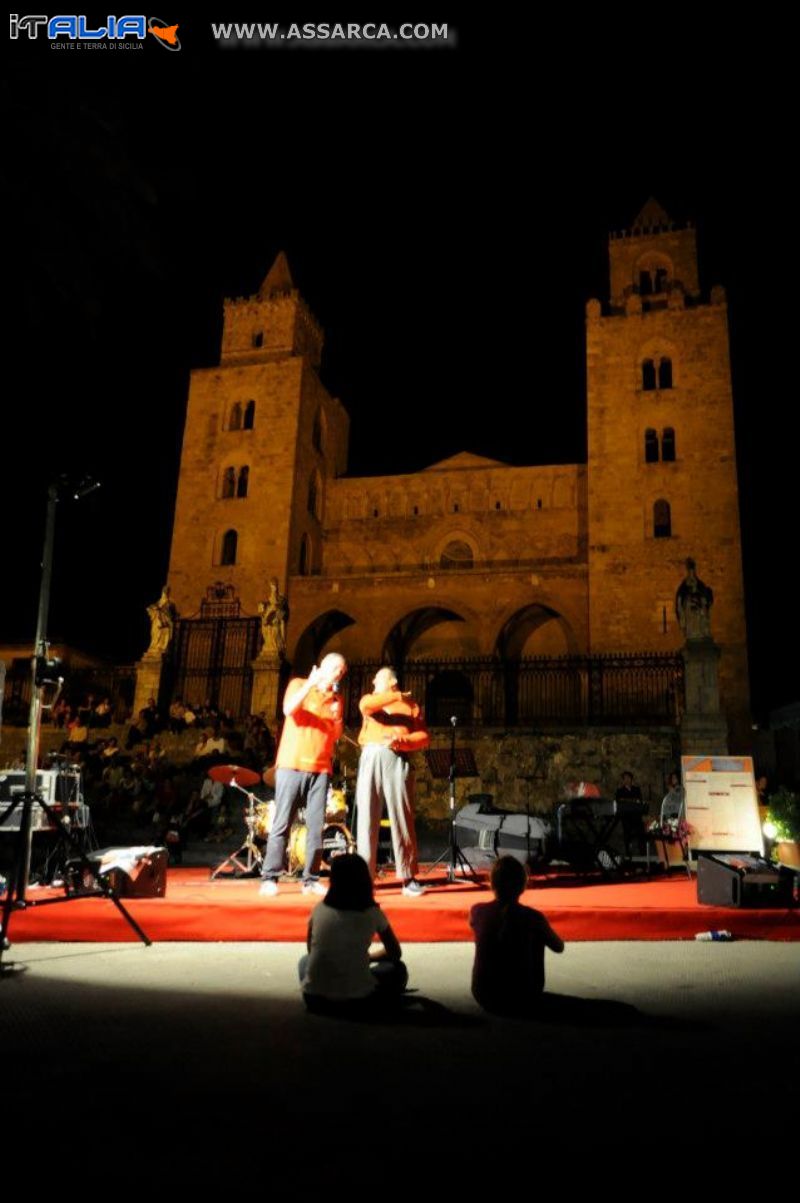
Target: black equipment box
<point>130,872</point>
<point>494,833</point>
<point>737,879</point>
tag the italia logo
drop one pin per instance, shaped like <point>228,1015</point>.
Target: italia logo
<point>75,28</point>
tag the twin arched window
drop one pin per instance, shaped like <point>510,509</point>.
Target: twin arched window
<point>242,416</point>
<point>235,482</point>
<point>656,376</point>
<point>651,446</point>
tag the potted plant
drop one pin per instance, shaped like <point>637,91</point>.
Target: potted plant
<point>783,826</point>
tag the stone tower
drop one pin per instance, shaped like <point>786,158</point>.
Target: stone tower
<point>662,482</point>
<point>262,441</point>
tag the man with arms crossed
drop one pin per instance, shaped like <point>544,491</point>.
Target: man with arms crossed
<point>392,727</point>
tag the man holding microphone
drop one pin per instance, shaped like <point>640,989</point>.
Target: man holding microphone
<point>312,709</point>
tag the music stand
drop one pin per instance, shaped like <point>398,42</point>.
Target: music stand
<point>451,763</point>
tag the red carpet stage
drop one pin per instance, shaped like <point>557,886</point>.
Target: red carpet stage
<point>196,908</point>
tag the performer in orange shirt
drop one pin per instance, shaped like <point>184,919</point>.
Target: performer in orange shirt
<point>313,712</point>
<point>392,727</point>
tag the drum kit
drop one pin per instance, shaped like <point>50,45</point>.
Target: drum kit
<point>259,815</point>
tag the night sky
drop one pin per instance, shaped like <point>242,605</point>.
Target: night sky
<point>445,213</point>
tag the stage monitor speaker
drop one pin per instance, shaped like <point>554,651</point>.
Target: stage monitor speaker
<point>738,879</point>
<point>139,872</point>
<point>491,833</point>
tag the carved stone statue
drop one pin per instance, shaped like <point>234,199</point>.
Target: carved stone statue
<point>162,616</point>
<point>693,602</point>
<point>274,614</point>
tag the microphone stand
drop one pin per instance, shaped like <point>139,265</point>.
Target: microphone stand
<point>458,860</point>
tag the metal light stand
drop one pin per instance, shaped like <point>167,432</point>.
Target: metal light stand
<point>16,897</point>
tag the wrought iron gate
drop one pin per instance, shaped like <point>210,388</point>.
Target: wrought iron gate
<point>212,663</point>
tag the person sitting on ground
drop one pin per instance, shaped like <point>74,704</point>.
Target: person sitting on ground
<point>344,973</point>
<point>510,939</point>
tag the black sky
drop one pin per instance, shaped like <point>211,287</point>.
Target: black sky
<point>445,214</point>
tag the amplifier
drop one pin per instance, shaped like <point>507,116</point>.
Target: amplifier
<point>737,879</point>
<point>496,833</point>
<point>139,872</point>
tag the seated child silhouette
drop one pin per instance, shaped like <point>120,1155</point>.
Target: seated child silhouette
<point>510,939</point>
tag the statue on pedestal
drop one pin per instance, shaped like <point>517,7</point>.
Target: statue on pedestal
<point>693,602</point>
<point>274,614</point>
<point>162,615</point>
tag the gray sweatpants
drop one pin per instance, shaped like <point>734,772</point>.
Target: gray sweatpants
<point>385,776</point>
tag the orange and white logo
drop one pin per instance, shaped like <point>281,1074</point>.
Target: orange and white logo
<point>165,35</point>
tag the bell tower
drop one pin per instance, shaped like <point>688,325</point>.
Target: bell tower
<point>662,483</point>
<point>262,439</point>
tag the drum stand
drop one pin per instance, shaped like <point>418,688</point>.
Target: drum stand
<point>249,849</point>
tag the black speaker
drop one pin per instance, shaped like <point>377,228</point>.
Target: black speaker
<point>493,833</point>
<point>130,872</point>
<point>736,879</point>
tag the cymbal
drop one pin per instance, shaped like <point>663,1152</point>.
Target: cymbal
<point>225,773</point>
<point>268,776</point>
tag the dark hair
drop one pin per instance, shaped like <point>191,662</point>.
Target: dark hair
<point>509,879</point>
<point>351,884</point>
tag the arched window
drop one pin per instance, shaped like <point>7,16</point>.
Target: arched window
<point>662,520</point>
<point>249,415</point>
<point>229,541</point>
<point>645,283</point>
<point>229,482</point>
<point>313,495</point>
<point>457,554</point>
<point>648,376</point>
<point>650,447</point>
<point>668,445</point>
<point>665,373</point>
<point>662,275</point>
<point>258,338</point>
<point>304,567</point>
<point>235,421</point>
<point>318,432</point>
<point>242,482</point>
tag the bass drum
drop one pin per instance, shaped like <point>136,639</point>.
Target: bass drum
<point>336,806</point>
<point>263,814</point>
<point>334,843</point>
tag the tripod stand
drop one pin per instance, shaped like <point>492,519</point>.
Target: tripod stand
<point>228,774</point>
<point>42,674</point>
<point>458,763</point>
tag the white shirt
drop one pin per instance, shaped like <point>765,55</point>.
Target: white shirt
<point>338,964</point>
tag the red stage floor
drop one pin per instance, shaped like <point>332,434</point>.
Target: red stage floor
<point>196,908</point>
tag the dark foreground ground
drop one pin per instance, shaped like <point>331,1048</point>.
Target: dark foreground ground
<point>196,1065</point>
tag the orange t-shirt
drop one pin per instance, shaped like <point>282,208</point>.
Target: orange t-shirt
<point>390,714</point>
<point>310,732</point>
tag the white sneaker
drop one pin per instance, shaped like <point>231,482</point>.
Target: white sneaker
<point>268,888</point>
<point>313,887</point>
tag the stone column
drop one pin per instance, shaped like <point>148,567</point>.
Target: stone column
<point>703,727</point>
<point>148,680</point>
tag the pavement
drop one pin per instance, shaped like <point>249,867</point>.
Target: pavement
<point>198,1064</point>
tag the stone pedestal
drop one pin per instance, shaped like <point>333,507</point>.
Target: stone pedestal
<point>703,726</point>
<point>266,686</point>
<point>148,680</point>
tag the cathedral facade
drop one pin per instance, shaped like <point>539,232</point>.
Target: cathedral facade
<point>473,560</point>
